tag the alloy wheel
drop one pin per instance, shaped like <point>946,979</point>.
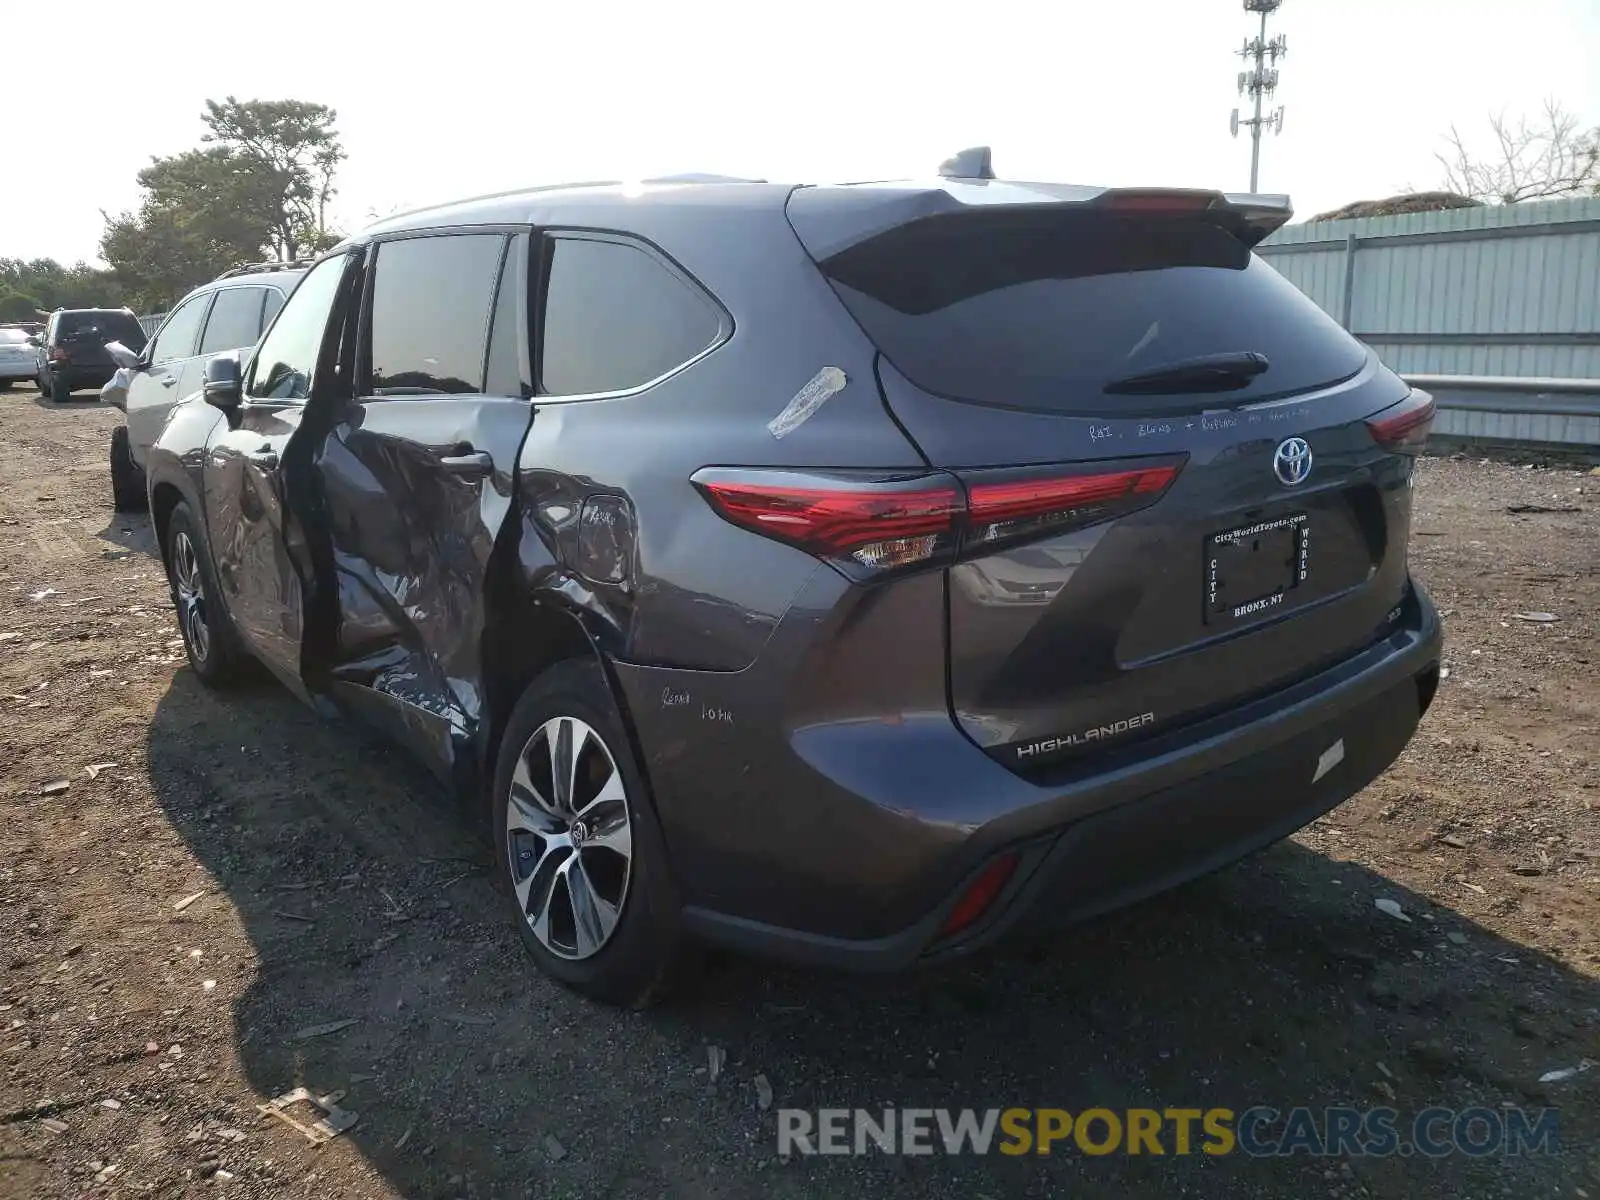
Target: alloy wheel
<point>191,596</point>
<point>569,838</point>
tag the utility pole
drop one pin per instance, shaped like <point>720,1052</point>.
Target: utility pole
<point>1259,82</point>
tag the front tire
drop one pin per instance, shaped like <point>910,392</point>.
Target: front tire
<point>580,857</point>
<point>208,635</point>
<point>127,480</point>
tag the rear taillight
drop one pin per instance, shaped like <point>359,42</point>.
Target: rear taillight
<point>1404,426</point>
<point>869,525</point>
<point>59,354</point>
<point>1000,510</point>
<point>865,525</point>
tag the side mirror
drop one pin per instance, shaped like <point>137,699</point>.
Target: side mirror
<point>223,387</point>
<point>35,340</point>
<point>121,355</point>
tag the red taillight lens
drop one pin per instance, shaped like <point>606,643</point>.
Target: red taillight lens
<point>1002,509</point>
<point>980,894</point>
<point>1405,426</point>
<point>865,525</point>
<point>60,355</point>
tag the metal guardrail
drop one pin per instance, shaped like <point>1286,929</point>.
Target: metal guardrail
<point>1561,413</point>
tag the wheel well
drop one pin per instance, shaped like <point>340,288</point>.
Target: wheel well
<point>163,499</point>
<point>519,646</point>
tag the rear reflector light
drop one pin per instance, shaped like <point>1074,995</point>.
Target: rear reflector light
<point>980,894</point>
<point>1404,426</point>
<point>870,524</point>
<point>1000,511</point>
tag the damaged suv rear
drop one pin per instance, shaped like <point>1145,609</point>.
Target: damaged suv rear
<point>852,573</point>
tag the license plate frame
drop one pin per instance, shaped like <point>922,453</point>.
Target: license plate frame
<point>1252,569</point>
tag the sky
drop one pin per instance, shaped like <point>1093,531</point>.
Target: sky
<point>439,101</point>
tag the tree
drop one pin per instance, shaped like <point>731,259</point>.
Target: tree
<point>1547,158</point>
<point>203,211</point>
<point>44,284</point>
<point>295,149</point>
<point>18,306</point>
<point>260,189</point>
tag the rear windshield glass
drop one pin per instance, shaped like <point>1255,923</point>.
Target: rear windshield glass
<point>101,327</point>
<point>1041,311</point>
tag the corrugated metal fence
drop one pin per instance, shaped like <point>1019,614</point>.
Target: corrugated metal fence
<point>151,323</point>
<point>1500,293</point>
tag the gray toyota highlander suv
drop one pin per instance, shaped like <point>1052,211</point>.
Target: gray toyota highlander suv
<point>852,573</point>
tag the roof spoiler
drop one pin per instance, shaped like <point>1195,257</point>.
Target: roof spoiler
<point>1248,216</point>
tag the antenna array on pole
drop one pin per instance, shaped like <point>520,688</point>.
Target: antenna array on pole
<point>1259,82</point>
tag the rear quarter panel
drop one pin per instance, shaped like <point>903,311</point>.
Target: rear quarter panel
<point>702,593</point>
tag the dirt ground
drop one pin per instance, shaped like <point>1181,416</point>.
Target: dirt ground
<point>140,1026</point>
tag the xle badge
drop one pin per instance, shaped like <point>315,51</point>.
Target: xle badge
<point>1331,758</point>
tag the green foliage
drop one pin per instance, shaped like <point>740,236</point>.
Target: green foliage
<point>44,284</point>
<point>15,306</point>
<point>259,189</point>
<point>294,149</point>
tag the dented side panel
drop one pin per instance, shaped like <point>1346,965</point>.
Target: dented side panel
<point>791,383</point>
<point>413,519</point>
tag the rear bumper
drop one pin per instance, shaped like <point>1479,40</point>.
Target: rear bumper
<point>18,370</point>
<point>80,378</point>
<point>1172,812</point>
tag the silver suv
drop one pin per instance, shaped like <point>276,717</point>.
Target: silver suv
<point>227,314</point>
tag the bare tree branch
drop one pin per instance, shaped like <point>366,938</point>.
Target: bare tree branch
<point>1551,157</point>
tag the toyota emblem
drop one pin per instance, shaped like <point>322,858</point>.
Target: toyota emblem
<point>1291,461</point>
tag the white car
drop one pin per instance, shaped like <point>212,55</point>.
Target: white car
<point>19,357</point>
<point>228,314</point>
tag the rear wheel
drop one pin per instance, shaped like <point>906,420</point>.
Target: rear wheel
<point>60,390</point>
<point>5,385</point>
<point>127,480</point>
<point>208,635</point>
<point>580,857</point>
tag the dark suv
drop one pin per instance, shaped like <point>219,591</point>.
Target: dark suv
<point>855,573</point>
<point>73,352</point>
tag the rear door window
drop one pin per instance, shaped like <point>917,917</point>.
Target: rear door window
<point>274,301</point>
<point>235,320</point>
<point>177,337</point>
<point>1041,311</point>
<point>616,317</point>
<point>431,298</point>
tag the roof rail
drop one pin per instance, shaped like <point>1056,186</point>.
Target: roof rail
<point>501,195</point>
<point>262,268</point>
<point>701,177</point>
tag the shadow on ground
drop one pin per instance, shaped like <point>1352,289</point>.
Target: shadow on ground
<point>367,898</point>
<point>132,533</point>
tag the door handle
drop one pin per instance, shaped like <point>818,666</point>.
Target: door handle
<point>474,462</point>
<point>168,380</point>
<point>266,458</point>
